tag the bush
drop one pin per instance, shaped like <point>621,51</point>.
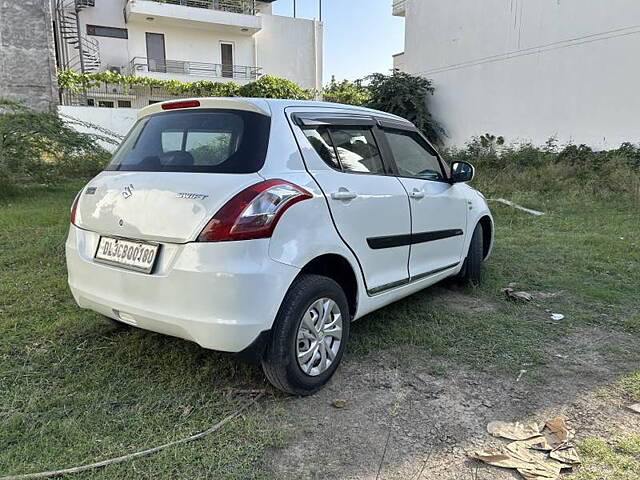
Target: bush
<point>268,86</point>
<point>346,92</point>
<point>509,169</point>
<point>41,147</point>
<point>406,96</point>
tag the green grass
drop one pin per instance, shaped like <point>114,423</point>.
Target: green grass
<point>614,459</point>
<point>74,390</point>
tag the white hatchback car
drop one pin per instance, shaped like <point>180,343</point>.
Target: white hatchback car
<point>265,227</point>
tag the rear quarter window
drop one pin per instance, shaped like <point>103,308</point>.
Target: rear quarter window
<point>207,141</point>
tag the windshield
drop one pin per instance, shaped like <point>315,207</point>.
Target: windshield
<point>208,141</point>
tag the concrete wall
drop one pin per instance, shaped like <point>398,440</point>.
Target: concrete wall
<point>285,47</point>
<point>116,120</point>
<point>291,48</point>
<point>529,69</point>
<point>27,56</point>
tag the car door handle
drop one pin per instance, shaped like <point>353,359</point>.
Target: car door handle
<point>343,194</point>
<point>417,194</point>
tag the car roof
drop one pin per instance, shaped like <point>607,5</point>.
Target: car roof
<point>266,106</point>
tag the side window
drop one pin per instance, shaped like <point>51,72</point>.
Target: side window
<point>357,150</point>
<point>350,149</point>
<point>413,156</point>
<point>320,140</point>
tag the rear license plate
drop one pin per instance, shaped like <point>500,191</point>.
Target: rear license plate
<point>130,254</point>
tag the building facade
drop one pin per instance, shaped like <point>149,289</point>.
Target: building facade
<point>27,60</point>
<point>528,69</point>
<point>186,40</point>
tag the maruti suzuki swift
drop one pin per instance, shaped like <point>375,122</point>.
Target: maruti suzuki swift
<point>265,227</point>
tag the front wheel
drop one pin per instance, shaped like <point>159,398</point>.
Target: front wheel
<point>309,336</point>
<point>473,268</point>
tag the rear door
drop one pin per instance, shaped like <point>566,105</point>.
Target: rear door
<point>368,204</point>
<point>438,208</point>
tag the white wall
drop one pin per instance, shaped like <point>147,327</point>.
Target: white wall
<point>190,44</point>
<point>285,47</point>
<point>107,13</point>
<point>116,120</point>
<point>291,48</point>
<point>529,69</point>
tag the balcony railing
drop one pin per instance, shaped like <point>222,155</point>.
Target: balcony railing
<point>247,7</point>
<point>199,69</point>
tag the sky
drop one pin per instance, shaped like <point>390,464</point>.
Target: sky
<point>360,36</point>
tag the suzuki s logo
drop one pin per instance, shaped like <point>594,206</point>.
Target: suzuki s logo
<point>128,191</point>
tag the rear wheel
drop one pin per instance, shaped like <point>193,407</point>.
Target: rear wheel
<point>309,336</point>
<point>473,268</point>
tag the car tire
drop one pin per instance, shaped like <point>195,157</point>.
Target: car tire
<point>116,324</point>
<point>284,365</point>
<point>472,272</point>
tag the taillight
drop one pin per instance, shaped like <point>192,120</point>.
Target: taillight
<point>254,212</point>
<point>74,208</point>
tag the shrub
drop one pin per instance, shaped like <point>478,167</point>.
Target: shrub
<point>576,169</point>
<point>406,96</point>
<point>350,93</point>
<point>268,86</point>
<point>41,147</point>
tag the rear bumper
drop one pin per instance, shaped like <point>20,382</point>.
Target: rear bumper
<point>219,295</point>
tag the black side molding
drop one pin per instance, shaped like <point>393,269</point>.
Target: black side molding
<point>377,243</point>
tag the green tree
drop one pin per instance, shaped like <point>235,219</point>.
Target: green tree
<point>269,86</point>
<point>41,146</point>
<point>350,93</point>
<point>406,96</point>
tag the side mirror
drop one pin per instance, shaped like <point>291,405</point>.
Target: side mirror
<point>462,172</point>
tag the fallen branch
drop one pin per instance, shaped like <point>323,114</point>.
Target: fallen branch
<point>515,205</point>
<point>132,456</point>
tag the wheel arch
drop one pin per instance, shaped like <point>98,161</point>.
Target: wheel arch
<point>339,269</point>
<point>487,235</point>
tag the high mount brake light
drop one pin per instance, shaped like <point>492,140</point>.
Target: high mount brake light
<point>180,104</point>
<point>254,212</point>
<point>74,208</point>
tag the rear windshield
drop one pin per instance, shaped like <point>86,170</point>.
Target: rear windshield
<point>208,141</point>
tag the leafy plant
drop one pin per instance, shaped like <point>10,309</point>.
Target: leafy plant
<point>350,93</point>
<point>406,96</point>
<point>269,86</point>
<point>42,147</point>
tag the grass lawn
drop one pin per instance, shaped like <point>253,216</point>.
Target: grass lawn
<point>75,390</point>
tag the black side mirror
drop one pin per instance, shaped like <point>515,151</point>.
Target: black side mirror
<point>462,172</point>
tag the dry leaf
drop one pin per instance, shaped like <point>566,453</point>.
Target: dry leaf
<point>339,403</point>
<point>498,458</point>
<point>568,455</point>
<point>515,431</point>
<point>559,434</point>
<point>635,407</point>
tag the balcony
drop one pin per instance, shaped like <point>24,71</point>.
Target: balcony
<point>399,8</point>
<point>237,16</point>
<point>185,71</point>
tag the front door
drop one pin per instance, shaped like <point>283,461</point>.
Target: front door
<point>438,209</point>
<point>369,206</point>
<point>156,57</point>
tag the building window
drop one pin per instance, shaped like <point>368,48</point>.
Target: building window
<point>112,32</point>
<point>91,102</point>
<point>124,103</point>
<point>105,103</point>
<point>151,102</point>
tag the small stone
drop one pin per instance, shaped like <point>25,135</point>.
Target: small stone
<point>339,403</point>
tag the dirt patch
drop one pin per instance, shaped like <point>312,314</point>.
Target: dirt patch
<point>456,299</point>
<point>400,420</point>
